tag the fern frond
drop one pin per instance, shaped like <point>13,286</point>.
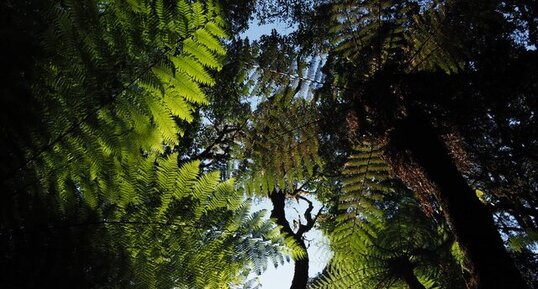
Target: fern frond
<point>373,237</point>
<point>283,147</point>
<point>120,75</point>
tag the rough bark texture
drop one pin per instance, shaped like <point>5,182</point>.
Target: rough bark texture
<point>471,222</point>
<point>300,276</point>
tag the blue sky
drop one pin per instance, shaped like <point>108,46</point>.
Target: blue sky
<point>280,278</point>
<point>255,31</point>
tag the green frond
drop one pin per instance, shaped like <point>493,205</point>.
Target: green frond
<point>193,69</point>
<point>368,237</point>
<point>209,41</point>
<point>205,184</point>
<point>216,30</point>
<point>370,36</point>
<point>163,121</point>
<point>179,108</point>
<point>114,83</point>
<point>201,53</point>
<point>283,147</point>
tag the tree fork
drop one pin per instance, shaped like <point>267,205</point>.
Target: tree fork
<point>300,275</point>
<point>471,222</point>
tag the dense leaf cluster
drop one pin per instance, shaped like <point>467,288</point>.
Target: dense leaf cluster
<point>92,191</point>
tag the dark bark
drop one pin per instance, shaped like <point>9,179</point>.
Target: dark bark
<point>402,267</point>
<point>471,222</point>
<point>411,279</point>
<point>300,276</point>
<point>300,273</point>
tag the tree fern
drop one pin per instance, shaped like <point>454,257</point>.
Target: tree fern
<point>428,47</point>
<point>120,74</point>
<point>182,229</point>
<point>118,80</point>
<point>358,219</point>
<point>381,237</point>
<point>281,143</point>
<point>367,182</point>
<point>283,147</point>
<point>373,35</point>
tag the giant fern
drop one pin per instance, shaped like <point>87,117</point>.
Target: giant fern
<point>374,35</point>
<point>282,147</point>
<point>120,77</point>
<point>381,238</point>
<point>190,229</point>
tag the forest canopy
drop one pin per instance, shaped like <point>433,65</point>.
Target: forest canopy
<point>137,135</point>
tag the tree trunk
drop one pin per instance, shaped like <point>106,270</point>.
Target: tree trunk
<point>402,267</point>
<point>411,280</point>
<point>471,222</point>
<point>300,276</point>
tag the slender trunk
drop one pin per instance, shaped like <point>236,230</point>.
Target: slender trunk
<point>471,222</point>
<point>300,276</point>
